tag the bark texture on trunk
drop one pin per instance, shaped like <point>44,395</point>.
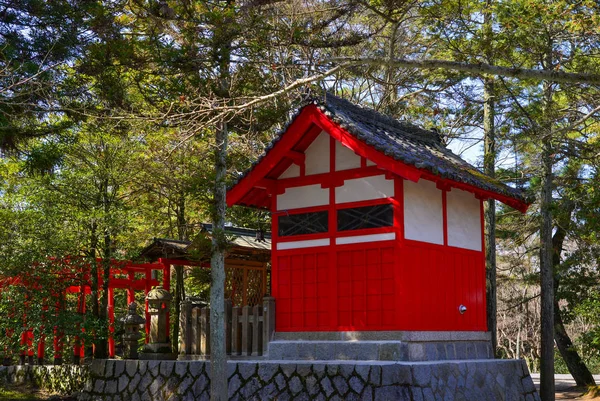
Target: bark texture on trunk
<point>489,167</point>
<point>218,357</point>
<point>576,366</point>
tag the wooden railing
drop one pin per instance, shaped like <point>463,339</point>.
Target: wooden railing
<point>248,330</point>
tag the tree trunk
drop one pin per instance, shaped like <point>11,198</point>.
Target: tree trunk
<point>580,372</point>
<point>489,164</point>
<point>577,368</point>
<point>391,92</point>
<point>547,390</point>
<point>223,38</point>
<point>218,357</point>
<point>179,287</point>
<point>489,168</point>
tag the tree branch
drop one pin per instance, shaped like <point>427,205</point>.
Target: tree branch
<point>476,69</point>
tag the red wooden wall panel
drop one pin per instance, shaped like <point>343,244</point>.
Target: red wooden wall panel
<point>436,280</point>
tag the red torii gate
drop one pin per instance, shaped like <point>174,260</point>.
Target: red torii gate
<point>129,283</point>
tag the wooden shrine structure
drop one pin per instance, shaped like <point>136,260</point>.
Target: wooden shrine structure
<point>376,225</point>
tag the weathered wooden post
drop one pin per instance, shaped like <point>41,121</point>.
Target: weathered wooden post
<point>205,331</point>
<point>185,327</point>
<point>236,331</point>
<point>132,322</point>
<point>268,321</point>
<point>257,330</point>
<point>195,337</point>
<point>246,332</point>
<point>228,311</point>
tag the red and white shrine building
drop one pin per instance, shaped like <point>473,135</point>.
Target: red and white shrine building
<point>376,226</point>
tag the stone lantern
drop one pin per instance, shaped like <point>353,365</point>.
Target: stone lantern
<point>159,346</point>
<point>132,322</point>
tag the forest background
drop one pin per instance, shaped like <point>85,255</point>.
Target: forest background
<point>122,121</point>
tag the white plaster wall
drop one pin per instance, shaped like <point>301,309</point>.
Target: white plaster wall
<point>303,244</point>
<point>423,212</point>
<point>464,219</point>
<point>357,239</point>
<point>345,159</point>
<point>291,171</point>
<point>360,189</point>
<point>370,163</point>
<point>317,155</point>
<point>307,196</point>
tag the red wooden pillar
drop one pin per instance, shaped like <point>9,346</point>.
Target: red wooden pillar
<point>146,291</point>
<point>111,322</point>
<point>130,290</point>
<point>167,286</point>
<point>41,349</point>
<point>22,343</point>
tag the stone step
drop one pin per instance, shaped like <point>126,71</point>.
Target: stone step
<point>338,350</point>
<point>385,350</point>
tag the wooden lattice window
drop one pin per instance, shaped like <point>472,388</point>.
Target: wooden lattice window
<point>359,218</point>
<point>303,223</point>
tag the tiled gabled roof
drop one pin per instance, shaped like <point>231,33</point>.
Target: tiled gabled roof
<point>404,142</point>
<point>410,144</point>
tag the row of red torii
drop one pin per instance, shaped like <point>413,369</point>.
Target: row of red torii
<point>122,276</point>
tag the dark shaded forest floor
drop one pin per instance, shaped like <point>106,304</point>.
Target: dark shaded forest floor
<point>28,393</point>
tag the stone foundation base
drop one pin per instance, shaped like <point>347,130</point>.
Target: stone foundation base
<point>469,380</point>
<point>62,379</point>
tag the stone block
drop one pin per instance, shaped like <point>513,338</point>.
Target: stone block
<point>142,367</point>
<point>234,385</point>
<point>200,385</point>
<point>306,350</point>
<point>266,371</point>
<point>295,385</point>
<point>483,350</point>
<point>346,370</point>
<point>119,368</point>
<point>109,368</point>
<point>527,383</point>
<point>396,375</point>
<point>356,384</point>
<point>131,368</point>
<point>324,351</point>
<point>123,382</point>
<point>362,370</point>
<point>327,386</point>
<point>166,368</point>
<point>375,375</point>
<point>471,353</point>
<point>185,386</point>
<point>96,368</point>
<point>422,375</point>
<point>288,369</point>
<point>393,351</point>
<point>153,368</point>
<point>341,385</point>
<point>356,351</point>
<point>196,368</point>
<point>181,368</point>
<point>392,393</point>
<point>280,381</point>
<point>268,392</point>
<point>304,369</point>
<point>319,369</point>
<point>312,385</point>
<point>246,369</point>
<point>450,351</point>
<point>99,386</point>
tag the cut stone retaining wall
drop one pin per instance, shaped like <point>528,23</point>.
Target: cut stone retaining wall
<point>471,380</point>
<point>61,379</point>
